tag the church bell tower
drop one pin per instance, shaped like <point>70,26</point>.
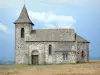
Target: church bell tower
<point>23,28</point>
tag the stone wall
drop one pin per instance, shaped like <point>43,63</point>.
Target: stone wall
<point>71,57</point>
<point>42,48</point>
<point>66,47</point>
<point>82,47</point>
<point>56,56</point>
<point>20,45</point>
<point>24,49</point>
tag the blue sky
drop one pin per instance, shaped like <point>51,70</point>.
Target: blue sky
<point>82,15</point>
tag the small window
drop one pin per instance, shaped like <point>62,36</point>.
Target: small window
<point>50,49</point>
<point>65,56</point>
<point>22,32</point>
<point>83,54</point>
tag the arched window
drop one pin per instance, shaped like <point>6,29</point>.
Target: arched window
<point>83,54</point>
<point>50,49</point>
<point>63,56</point>
<point>22,32</point>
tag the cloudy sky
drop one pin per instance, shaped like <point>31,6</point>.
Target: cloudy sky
<point>82,15</point>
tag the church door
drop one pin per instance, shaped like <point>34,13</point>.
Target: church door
<point>34,59</point>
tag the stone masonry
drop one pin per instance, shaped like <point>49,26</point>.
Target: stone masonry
<point>47,46</point>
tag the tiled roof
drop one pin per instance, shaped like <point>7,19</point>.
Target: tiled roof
<point>80,39</point>
<point>52,35</point>
<point>67,34</point>
<point>23,18</point>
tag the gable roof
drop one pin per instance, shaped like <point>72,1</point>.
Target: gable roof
<point>49,35</point>
<point>23,18</point>
<point>80,39</point>
<point>66,34</point>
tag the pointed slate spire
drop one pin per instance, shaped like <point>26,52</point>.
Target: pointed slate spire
<point>23,18</point>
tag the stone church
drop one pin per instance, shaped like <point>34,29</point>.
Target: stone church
<point>47,46</point>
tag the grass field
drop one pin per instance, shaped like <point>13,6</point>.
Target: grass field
<point>91,68</point>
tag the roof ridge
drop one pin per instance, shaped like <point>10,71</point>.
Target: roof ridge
<point>55,29</point>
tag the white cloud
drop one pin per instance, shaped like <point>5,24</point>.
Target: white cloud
<point>52,20</point>
<point>3,28</point>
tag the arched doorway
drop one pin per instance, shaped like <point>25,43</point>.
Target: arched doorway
<point>34,57</point>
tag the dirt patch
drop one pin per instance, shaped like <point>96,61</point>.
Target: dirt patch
<point>10,73</point>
